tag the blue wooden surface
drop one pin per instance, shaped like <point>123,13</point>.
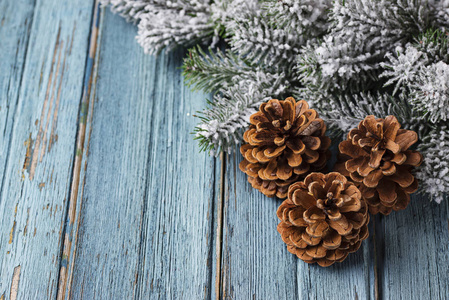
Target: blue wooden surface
<point>46,44</point>
<point>104,194</point>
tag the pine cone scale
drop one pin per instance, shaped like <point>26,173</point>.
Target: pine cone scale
<point>406,139</point>
<point>311,127</point>
<point>413,158</point>
<point>294,160</point>
<point>332,241</point>
<point>412,188</point>
<point>284,172</point>
<point>403,177</point>
<point>296,146</point>
<point>387,192</point>
<point>373,178</point>
<point>272,152</point>
<point>375,158</point>
<point>354,151</point>
<point>301,169</point>
<point>388,169</point>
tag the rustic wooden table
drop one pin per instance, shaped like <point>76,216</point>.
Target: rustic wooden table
<point>104,195</point>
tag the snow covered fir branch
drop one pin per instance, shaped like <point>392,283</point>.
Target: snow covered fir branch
<point>166,24</point>
<point>348,59</point>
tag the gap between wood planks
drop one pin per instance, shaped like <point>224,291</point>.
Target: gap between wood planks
<point>219,241</point>
<point>85,113</point>
<point>376,260</point>
<point>376,245</point>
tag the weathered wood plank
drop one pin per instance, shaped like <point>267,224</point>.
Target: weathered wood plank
<point>82,147</point>
<point>177,232</point>
<point>41,148</point>
<point>15,24</point>
<point>414,248</point>
<point>257,265</point>
<point>104,180</point>
<point>351,279</point>
<point>146,214</point>
<point>145,223</point>
<point>255,262</point>
<point>354,278</point>
<point>217,232</point>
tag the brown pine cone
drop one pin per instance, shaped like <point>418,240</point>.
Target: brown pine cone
<point>284,143</point>
<point>324,218</point>
<point>377,159</point>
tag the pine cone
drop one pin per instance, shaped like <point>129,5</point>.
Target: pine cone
<point>377,159</point>
<point>324,218</point>
<point>285,142</point>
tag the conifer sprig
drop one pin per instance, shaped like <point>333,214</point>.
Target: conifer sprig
<point>348,59</point>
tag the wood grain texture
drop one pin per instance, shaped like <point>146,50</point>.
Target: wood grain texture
<point>351,279</point>
<point>82,147</point>
<point>414,249</point>
<point>217,232</point>
<point>104,195</point>
<point>354,277</point>
<point>15,24</point>
<point>255,262</point>
<point>39,155</point>
<point>145,223</point>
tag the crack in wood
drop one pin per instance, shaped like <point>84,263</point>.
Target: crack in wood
<point>50,106</point>
<point>219,245</point>
<point>376,274</point>
<point>15,283</point>
<point>27,162</point>
<point>40,134</point>
<point>11,233</point>
<point>64,280</point>
<point>27,222</point>
<point>45,139</point>
<point>13,228</point>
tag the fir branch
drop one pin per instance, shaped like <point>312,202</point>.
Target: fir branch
<point>273,35</point>
<point>166,24</point>
<point>214,71</point>
<point>440,13</point>
<point>327,65</point>
<point>383,57</point>
<point>169,24</point>
<point>435,44</point>
<point>129,9</point>
<point>403,67</point>
<point>344,111</point>
<point>224,12</point>
<point>223,123</point>
<point>363,31</point>
<point>434,172</point>
<point>422,73</point>
<point>430,92</point>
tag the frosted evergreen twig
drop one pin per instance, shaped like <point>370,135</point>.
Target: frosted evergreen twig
<point>348,59</point>
<point>434,172</point>
<point>228,114</point>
